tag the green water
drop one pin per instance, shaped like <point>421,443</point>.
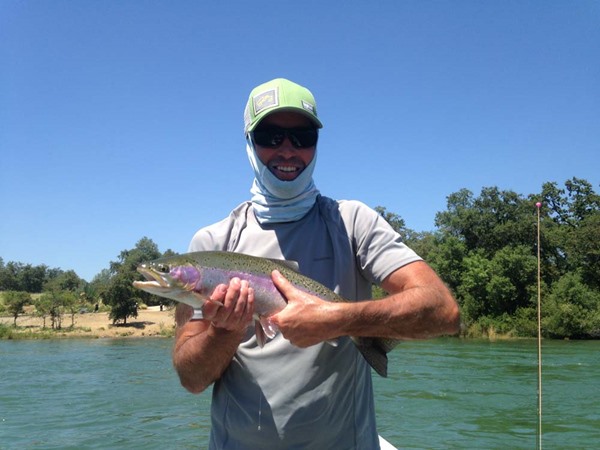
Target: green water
<point>451,394</point>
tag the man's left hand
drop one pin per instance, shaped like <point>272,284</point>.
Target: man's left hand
<point>306,320</point>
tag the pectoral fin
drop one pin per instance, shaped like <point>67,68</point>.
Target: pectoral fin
<point>264,329</point>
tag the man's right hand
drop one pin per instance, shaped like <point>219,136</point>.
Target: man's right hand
<point>238,306</point>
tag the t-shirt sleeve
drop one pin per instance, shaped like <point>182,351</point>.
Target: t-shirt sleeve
<point>211,238</point>
<point>378,248</point>
<point>218,236</point>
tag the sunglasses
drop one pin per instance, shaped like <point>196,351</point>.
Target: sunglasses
<point>273,137</point>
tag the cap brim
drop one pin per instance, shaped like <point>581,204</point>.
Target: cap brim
<point>294,109</point>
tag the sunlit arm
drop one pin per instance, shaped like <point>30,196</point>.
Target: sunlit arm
<point>419,306</point>
<point>201,352</point>
<point>204,348</point>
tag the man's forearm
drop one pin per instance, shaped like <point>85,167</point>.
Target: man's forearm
<point>202,352</point>
<point>420,306</point>
<point>204,348</point>
<point>416,313</point>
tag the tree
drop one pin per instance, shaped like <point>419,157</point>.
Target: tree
<point>472,290</point>
<point>584,249</point>
<point>485,250</point>
<point>121,296</point>
<point>51,303</point>
<point>572,309</point>
<point>120,293</point>
<point>446,256</point>
<point>8,276</point>
<point>15,302</point>
<point>17,276</point>
<point>571,205</point>
<point>70,304</point>
<point>43,307</point>
<point>65,281</point>
<point>32,278</point>
<point>487,223</point>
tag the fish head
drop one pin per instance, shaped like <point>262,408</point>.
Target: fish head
<point>161,274</point>
<point>176,281</point>
<point>173,280</point>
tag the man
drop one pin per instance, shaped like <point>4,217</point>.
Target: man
<point>298,391</point>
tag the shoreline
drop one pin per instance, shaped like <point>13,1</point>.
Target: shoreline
<point>150,322</point>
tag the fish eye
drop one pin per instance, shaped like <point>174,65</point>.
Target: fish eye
<point>163,268</point>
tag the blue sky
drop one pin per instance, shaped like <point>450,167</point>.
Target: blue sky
<point>123,119</point>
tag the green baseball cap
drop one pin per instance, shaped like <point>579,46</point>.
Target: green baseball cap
<point>279,95</point>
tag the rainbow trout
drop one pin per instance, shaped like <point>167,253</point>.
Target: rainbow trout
<point>192,277</point>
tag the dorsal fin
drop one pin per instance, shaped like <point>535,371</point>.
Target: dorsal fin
<point>292,265</point>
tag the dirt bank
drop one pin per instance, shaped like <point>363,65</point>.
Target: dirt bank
<point>149,322</point>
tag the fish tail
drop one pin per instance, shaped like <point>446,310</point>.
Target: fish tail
<point>374,351</point>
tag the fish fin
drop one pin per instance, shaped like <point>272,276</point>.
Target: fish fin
<point>209,300</point>
<point>375,350</point>
<point>264,329</point>
<point>293,265</point>
<point>198,314</point>
<point>268,327</point>
<point>261,338</point>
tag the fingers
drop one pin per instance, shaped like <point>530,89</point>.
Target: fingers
<point>209,310</point>
<point>282,284</point>
<point>237,309</point>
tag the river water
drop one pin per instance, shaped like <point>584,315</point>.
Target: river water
<point>445,393</point>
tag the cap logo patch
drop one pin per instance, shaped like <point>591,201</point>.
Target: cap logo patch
<point>265,100</point>
<point>310,108</point>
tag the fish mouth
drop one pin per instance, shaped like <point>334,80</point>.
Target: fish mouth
<point>153,277</point>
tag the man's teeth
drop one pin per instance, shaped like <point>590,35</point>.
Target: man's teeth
<point>287,168</point>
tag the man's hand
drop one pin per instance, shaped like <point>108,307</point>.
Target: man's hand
<point>238,306</point>
<point>204,348</point>
<point>306,320</point>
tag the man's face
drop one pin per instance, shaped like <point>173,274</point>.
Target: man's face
<point>286,161</point>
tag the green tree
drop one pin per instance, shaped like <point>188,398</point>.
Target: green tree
<point>99,284</point>
<point>472,290</point>
<point>15,302</point>
<point>65,281</point>
<point>574,203</point>
<point>446,255</point>
<point>489,222</point>
<point>43,307</point>
<point>120,293</point>
<point>55,303</point>
<point>572,229</point>
<point>18,276</point>
<point>513,283</point>
<point>122,297</point>
<point>32,278</point>
<point>485,249</point>
<point>70,304</point>
<point>9,276</point>
<point>584,249</point>
<point>572,309</point>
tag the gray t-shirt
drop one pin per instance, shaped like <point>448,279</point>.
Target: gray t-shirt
<point>284,397</point>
